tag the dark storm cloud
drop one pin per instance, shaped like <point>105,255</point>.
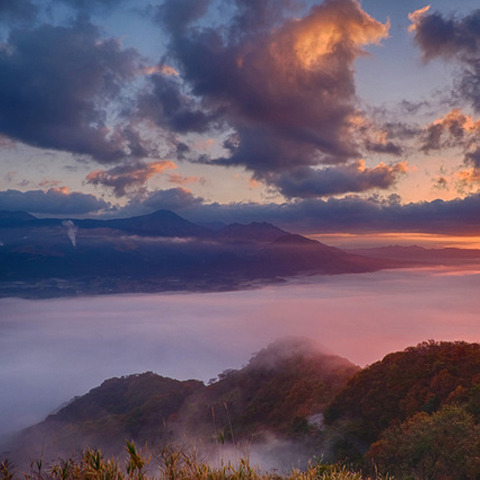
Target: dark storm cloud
<point>169,108</point>
<point>55,85</point>
<point>355,177</point>
<point>453,39</point>
<point>284,86</point>
<point>54,201</point>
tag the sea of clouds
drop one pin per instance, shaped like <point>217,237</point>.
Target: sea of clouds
<point>52,350</point>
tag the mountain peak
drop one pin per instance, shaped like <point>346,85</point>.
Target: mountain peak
<point>164,223</point>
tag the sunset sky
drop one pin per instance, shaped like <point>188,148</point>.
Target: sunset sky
<point>338,117</point>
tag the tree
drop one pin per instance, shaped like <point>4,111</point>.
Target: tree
<point>444,445</point>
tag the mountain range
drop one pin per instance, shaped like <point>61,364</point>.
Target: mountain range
<point>47,257</point>
<point>157,252</point>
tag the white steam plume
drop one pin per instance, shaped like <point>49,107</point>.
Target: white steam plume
<point>71,231</point>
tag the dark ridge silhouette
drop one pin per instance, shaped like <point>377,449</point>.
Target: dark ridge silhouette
<point>14,218</point>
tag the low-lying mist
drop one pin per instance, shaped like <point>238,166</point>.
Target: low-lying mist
<point>52,350</point>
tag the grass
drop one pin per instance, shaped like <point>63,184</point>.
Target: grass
<point>173,464</point>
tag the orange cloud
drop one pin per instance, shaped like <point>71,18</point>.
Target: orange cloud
<point>63,190</point>
<point>455,119</point>
<point>253,183</point>
<point>416,17</point>
<point>160,69</point>
<point>468,177</point>
<point>130,176</point>
<point>181,180</point>
<point>320,35</point>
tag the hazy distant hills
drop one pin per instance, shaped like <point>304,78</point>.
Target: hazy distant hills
<point>156,252</point>
<point>415,255</point>
<point>291,398</point>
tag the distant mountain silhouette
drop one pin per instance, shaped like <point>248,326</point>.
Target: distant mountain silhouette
<point>297,253</point>
<point>157,252</point>
<point>162,223</point>
<point>416,255</point>
<point>12,218</point>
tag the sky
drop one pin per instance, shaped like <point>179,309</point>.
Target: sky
<point>54,349</point>
<point>323,117</point>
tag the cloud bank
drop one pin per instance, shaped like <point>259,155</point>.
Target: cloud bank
<point>53,201</point>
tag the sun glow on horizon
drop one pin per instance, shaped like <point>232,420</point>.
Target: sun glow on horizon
<point>371,240</point>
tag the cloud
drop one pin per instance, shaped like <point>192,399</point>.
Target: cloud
<point>171,199</point>
<point>283,87</point>
<point>452,130</point>
<point>127,177</point>
<point>181,180</point>
<point>17,11</point>
<point>56,84</point>
<point>473,158</point>
<point>9,176</point>
<point>107,336</point>
<point>456,129</point>
<point>351,214</point>
<point>91,6</point>
<point>177,15</point>
<point>170,108</point>
<point>453,39</point>
<point>354,177</point>
<point>53,201</point>
<point>416,18</point>
<point>375,138</point>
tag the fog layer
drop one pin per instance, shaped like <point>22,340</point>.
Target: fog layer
<point>51,350</point>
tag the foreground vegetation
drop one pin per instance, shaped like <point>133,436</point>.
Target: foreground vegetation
<point>171,465</point>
